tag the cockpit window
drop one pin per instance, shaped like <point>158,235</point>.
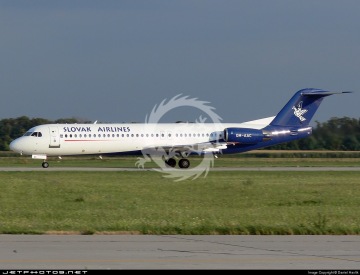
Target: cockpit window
<point>36,134</point>
<point>28,133</point>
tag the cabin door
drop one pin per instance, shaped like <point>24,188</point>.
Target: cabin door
<point>54,137</point>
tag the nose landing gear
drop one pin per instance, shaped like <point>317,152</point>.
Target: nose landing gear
<point>45,164</point>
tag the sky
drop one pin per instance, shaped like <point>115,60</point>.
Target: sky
<point>113,61</point>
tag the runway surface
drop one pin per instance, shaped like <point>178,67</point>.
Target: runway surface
<point>88,252</point>
<point>101,169</point>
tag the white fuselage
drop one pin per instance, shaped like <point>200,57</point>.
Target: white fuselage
<point>82,139</point>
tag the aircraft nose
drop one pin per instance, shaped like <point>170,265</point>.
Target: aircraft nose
<point>15,146</point>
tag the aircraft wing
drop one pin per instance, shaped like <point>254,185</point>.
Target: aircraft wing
<point>186,149</point>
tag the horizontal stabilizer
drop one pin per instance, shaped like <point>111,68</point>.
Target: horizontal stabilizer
<point>323,93</point>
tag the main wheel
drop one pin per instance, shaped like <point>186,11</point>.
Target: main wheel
<point>184,163</point>
<point>170,162</point>
<point>45,164</point>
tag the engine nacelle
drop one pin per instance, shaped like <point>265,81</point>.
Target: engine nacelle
<point>246,135</point>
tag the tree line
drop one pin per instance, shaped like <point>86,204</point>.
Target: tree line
<point>340,134</point>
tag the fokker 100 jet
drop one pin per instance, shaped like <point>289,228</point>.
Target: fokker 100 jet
<point>182,139</point>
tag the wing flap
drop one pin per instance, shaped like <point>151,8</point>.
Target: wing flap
<point>205,147</point>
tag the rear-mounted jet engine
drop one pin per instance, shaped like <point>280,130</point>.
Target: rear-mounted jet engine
<point>246,135</point>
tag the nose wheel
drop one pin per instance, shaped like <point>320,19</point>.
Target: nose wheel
<point>45,164</point>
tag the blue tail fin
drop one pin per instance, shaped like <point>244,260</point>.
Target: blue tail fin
<point>300,109</point>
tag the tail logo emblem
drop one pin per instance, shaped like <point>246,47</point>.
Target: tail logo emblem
<point>299,111</point>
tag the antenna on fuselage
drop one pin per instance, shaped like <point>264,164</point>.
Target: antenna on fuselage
<point>95,121</point>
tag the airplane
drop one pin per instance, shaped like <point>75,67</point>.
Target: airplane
<point>179,140</point>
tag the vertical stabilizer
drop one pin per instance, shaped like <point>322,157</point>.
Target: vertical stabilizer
<point>300,109</point>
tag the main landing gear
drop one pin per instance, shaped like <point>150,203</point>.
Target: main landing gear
<point>183,163</point>
<point>45,164</point>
